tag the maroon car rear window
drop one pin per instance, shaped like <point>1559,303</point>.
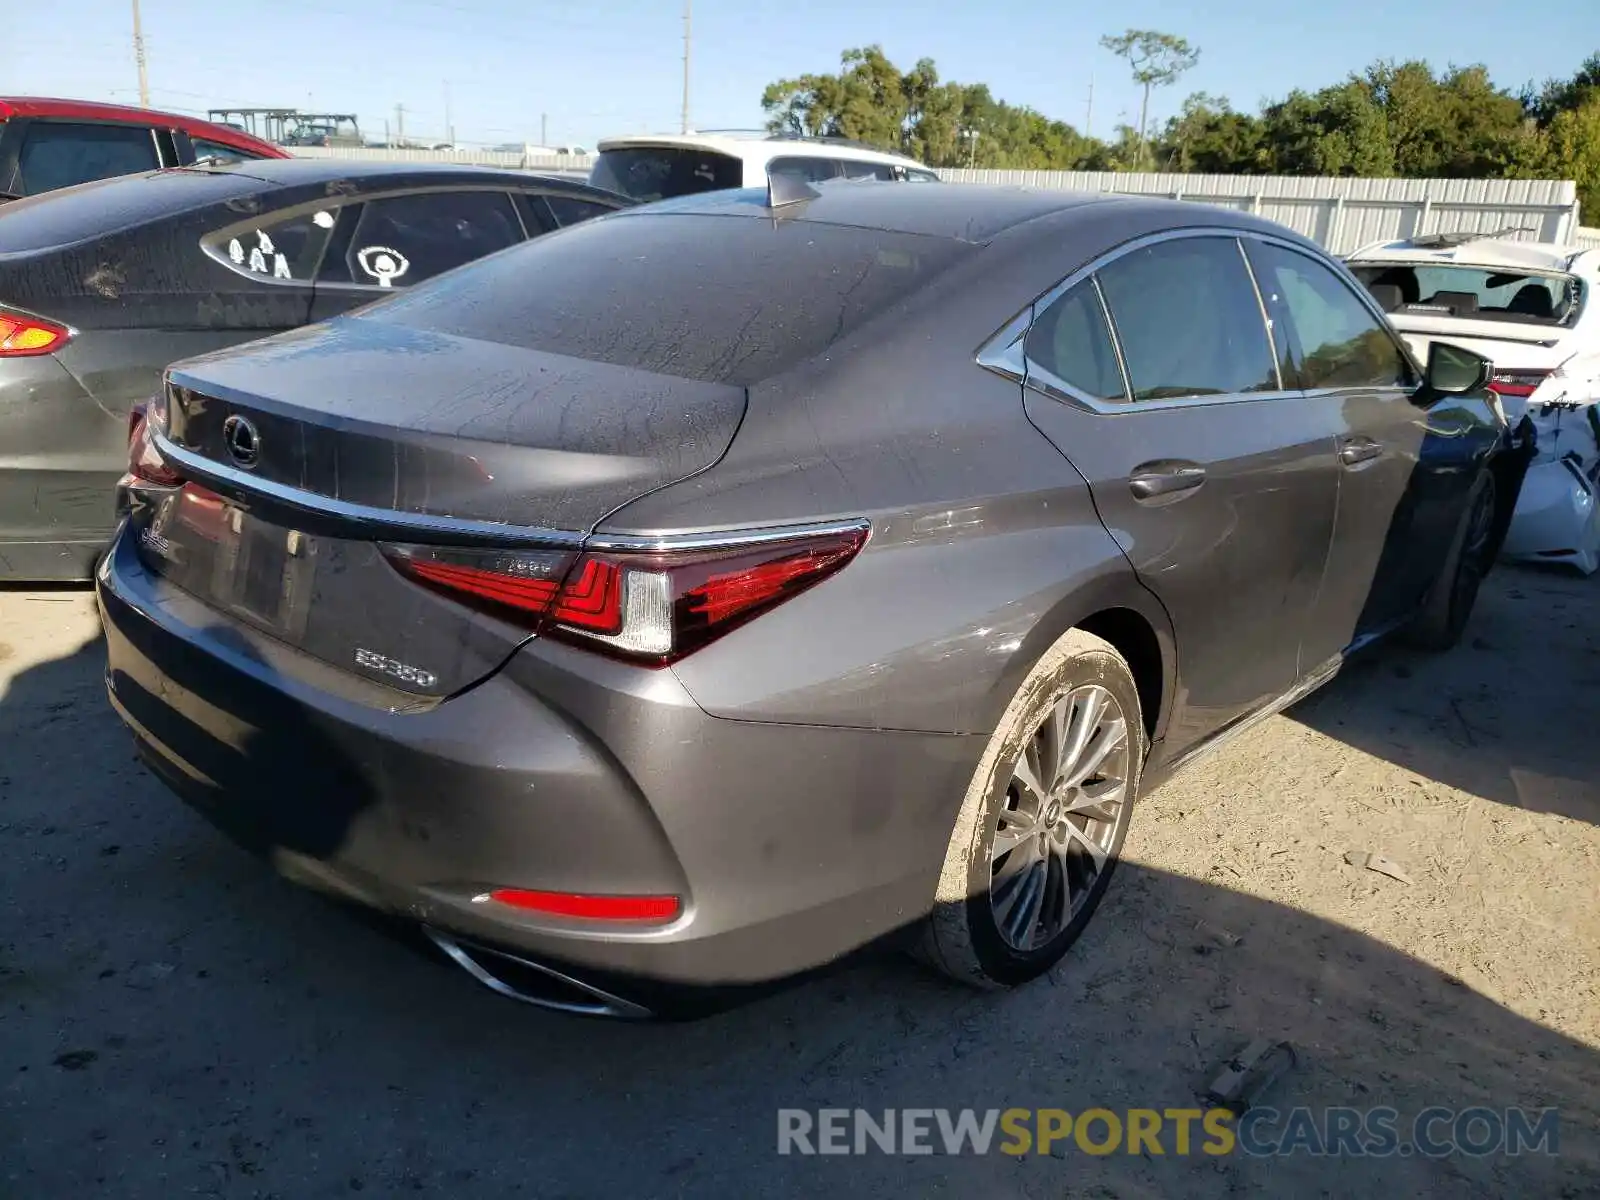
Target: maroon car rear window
<point>718,299</point>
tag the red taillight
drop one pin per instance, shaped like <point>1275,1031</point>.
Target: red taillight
<point>21,336</point>
<point>1517,383</point>
<point>651,909</point>
<point>145,464</point>
<point>649,606</point>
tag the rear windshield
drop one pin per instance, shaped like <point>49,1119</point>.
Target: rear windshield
<point>1476,293</point>
<point>105,206</point>
<point>718,299</point>
<point>658,173</point>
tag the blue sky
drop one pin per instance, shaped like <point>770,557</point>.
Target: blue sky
<point>614,66</point>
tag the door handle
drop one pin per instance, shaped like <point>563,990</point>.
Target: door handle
<point>1359,450</point>
<point>1165,480</point>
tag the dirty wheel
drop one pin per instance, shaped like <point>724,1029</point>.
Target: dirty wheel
<point>1043,822</point>
<point>1449,605</point>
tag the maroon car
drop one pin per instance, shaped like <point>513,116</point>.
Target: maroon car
<point>49,144</point>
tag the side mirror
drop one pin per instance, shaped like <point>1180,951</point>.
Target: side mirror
<point>1454,370</point>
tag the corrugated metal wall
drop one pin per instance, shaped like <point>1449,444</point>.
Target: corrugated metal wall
<point>1342,214</point>
<point>1589,239</point>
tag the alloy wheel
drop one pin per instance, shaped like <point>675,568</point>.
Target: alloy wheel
<point>1055,834</point>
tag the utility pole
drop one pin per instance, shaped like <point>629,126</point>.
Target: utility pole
<point>449,123</point>
<point>686,19</point>
<point>544,129</point>
<point>138,57</point>
<point>1088,116</point>
<point>400,125</point>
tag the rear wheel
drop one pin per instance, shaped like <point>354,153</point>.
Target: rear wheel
<point>1043,821</point>
<point>1449,605</point>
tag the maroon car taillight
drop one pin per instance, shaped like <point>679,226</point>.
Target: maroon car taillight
<point>646,606</point>
<point>145,464</point>
<point>1517,383</point>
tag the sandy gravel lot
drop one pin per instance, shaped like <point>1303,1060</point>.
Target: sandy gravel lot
<point>174,1020</point>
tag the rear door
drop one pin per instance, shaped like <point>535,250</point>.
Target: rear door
<point>396,241</point>
<point>1404,468</point>
<point>1157,376</point>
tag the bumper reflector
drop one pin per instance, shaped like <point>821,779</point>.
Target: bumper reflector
<point>649,909</point>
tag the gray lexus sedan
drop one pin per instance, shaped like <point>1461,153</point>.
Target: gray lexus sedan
<point>680,601</point>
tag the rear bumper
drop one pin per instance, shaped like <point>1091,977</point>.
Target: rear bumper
<point>791,845</point>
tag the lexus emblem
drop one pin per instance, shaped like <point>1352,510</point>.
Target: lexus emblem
<point>242,439</point>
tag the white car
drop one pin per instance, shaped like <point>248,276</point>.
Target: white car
<point>1531,308</point>
<point>660,166</point>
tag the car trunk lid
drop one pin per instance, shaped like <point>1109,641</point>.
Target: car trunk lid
<point>307,453</point>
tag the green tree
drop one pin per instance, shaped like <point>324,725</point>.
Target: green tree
<point>944,124</point>
<point>1156,60</point>
<point>1574,151</point>
<point>1563,95</point>
<point>1208,136</point>
<point>1337,131</point>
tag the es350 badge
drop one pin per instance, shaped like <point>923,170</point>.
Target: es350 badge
<point>404,672</point>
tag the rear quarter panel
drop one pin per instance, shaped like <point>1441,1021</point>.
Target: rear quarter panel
<point>985,545</point>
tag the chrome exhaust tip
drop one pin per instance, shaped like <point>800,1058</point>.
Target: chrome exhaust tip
<point>530,982</point>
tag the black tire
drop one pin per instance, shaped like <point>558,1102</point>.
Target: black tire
<point>1448,608</point>
<point>963,937</point>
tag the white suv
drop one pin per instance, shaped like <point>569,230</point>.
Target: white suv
<point>660,166</point>
<point>1529,307</point>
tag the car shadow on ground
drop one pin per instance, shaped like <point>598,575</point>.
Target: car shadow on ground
<point>1511,715</point>
<point>174,1019</point>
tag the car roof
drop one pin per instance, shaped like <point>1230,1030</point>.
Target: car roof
<point>963,212</point>
<point>93,110</point>
<point>101,207</point>
<point>1491,253</point>
<point>291,171</point>
<point>758,147</point>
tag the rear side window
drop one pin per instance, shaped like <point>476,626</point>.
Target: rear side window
<point>660,172</point>
<point>1190,324</point>
<point>58,154</point>
<point>1338,340</point>
<point>569,210</point>
<point>403,240</point>
<point>1070,341</point>
<point>286,248</point>
<point>220,152</point>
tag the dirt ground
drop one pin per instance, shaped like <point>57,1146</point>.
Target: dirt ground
<point>175,1020</point>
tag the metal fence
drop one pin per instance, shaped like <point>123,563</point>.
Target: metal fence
<point>1341,214</point>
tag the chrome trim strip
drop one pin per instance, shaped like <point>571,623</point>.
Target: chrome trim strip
<point>208,470</point>
<point>721,539</point>
<point>606,1005</point>
<point>1116,340</point>
<point>1002,353</point>
<point>1261,306</point>
<point>1002,339</point>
